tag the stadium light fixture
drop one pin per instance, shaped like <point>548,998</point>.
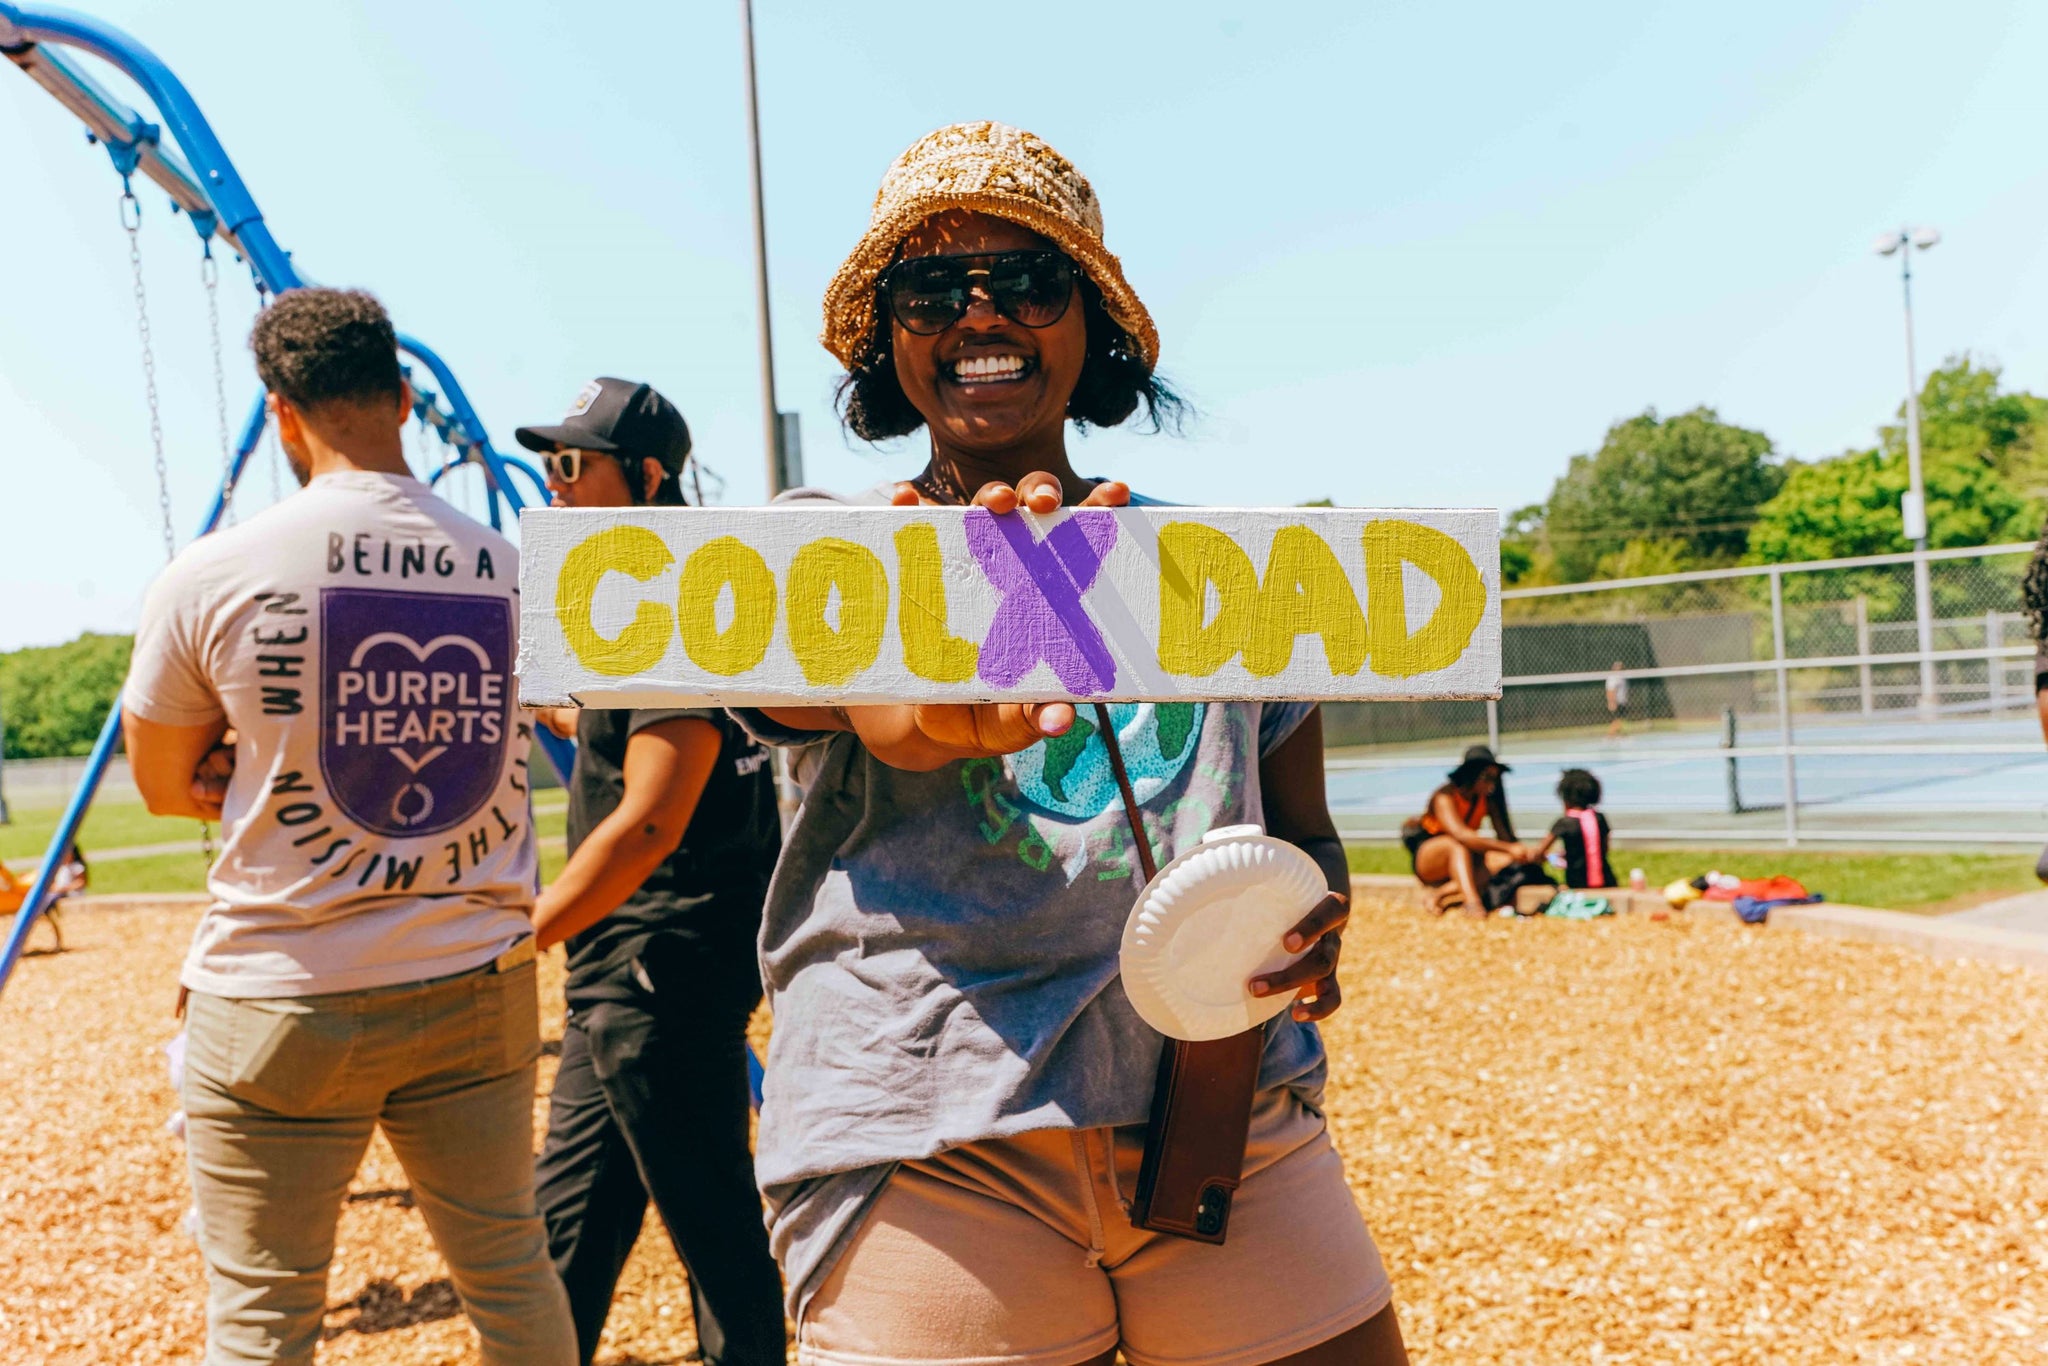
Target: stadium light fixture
<point>1913,506</point>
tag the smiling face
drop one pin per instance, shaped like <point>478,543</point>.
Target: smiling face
<point>988,384</point>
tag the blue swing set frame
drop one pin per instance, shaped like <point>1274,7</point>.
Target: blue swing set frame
<point>194,169</point>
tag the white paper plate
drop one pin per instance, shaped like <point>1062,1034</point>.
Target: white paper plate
<point>1210,922</point>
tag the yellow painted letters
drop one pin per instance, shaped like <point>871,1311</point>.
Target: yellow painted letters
<point>929,649</point>
<point>706,574</point>
<point>1395,653</point>
<point>637,553</point>
<point>828,656</point>
<point>1192,557</point>
<point>1305,591</point>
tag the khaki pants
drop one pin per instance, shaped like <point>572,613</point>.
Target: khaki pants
<point>1020,1252</point>
<point>281,1097</point>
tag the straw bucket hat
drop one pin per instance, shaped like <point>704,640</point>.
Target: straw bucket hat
<point>988,168</point>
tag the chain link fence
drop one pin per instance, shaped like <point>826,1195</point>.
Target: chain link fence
<point>1784,702</point>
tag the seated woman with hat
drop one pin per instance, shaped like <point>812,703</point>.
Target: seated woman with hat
<point>957,1086</point>
<point>1444,844</point>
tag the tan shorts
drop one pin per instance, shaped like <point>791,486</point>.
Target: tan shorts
<point>1020,1250</point>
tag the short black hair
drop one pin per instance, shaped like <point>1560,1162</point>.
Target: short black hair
<point>1114,380</point>
<point>321,346</point>
<point>1578,789</point>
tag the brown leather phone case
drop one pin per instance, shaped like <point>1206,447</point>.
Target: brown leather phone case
<point>1202,1102</point>
<point>1194,1144</point>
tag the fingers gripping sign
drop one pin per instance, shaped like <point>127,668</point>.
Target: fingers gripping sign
<point>972,731</point>
<point>1038,578</point>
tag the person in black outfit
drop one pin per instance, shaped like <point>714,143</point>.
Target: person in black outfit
<point>673,833</point>
<point>1581,832</point>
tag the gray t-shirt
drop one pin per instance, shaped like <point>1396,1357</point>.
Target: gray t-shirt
<point>940,951</point>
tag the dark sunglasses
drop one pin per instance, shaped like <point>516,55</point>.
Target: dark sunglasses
<point>928,294</point>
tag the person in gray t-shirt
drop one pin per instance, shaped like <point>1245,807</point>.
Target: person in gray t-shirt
<point>940,943</point>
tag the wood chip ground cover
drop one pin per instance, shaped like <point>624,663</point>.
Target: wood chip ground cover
<point>1620,1142</point>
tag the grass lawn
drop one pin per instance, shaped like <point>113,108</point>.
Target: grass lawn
<point>1928,882</point>
<point>152,873</point>
<point>108,825</point>
<point>116,824</point>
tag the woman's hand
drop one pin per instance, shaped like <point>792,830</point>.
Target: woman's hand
<point>921,737</point>
<point>1313,976</point>
<point>927,736</point>
<point>1037,492</point>
<point>1519,852</point>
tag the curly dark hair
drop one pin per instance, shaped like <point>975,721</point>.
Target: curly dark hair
<point>2034,589</point>
<point>1578,789</point>
<point>1114,380</point>
<point>320,346</point>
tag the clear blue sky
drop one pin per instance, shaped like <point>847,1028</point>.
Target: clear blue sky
<point>1403,254</point>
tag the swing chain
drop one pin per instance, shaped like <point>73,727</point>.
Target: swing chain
<point>209,276</point>
<point>131,223</point>
<point>276,460</point>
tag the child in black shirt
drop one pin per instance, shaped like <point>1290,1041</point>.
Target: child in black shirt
<point>1582,831</point>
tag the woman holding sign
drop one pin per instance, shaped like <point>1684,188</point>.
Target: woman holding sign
<point>958,1086</point>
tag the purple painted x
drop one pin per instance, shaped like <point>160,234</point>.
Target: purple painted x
<point>1041,616</point>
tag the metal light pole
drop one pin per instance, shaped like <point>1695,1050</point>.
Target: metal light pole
<point>771,415</point>
<point>783,460</point>
<point>1913,507</point>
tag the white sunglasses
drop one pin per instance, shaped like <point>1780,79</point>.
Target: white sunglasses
<point>566,465</point>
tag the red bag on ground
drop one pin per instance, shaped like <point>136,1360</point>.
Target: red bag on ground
<point>1760,889</point>
<point>1773,889</point>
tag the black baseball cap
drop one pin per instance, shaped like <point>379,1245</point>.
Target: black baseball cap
<point>618,417</point>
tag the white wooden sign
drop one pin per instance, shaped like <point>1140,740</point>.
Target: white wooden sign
<point>815,603</point>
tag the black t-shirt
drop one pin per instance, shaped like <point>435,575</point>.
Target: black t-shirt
<point>709,891</point>
<point>1573,837</point>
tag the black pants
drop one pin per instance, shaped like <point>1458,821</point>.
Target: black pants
<point>652,1099</point>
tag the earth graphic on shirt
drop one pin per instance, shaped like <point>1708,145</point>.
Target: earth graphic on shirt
<point>414,702</point>
<point>1069,775</point>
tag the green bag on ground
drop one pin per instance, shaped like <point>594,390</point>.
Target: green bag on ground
<point>1569,905</point>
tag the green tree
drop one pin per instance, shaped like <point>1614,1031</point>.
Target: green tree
<point>1646,558</point>
<point>1524,558</point>
<point>54,698</point>
<point>1849,506</point>
<point>1965,416</point>
<point>1692,478</point>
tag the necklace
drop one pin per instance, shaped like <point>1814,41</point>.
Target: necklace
<point>931,487</point>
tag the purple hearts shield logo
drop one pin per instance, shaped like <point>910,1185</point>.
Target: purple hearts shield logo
<point>415,705</point>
